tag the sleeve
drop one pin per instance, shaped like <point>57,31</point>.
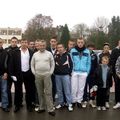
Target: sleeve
<point>33,64</point>
<point>70,63</point>
<point>117,66</point>
<point>52,64</point>
<point>88,63</point>
<point>110,78</point>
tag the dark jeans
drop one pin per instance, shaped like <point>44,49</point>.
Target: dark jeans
<point>89,83</point>
<point>101,97</point>
<point>29,82</point>
<point>53,87</point>
<point>117,89</point>
<point>10,82</point>
<point>3,92</point>
<point>18,98</point>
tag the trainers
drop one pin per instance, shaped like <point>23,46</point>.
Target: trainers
<point>107,105</point>
<point>70,108</point>
<point>58,106</point>
<point>84,105</point>
<point>79,105</point>
<point>36,109</point>
<point>116,106</point>
<point>98,108</point>
<point>92,104</point>
<point>104,108</point>
<point>52,113</point>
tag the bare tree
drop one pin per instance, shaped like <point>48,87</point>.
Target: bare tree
<point>40,21</point>
<point>80,30</point>
<point>101,24</point>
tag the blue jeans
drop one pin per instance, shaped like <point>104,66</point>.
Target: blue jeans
<point>4,94</point>
<point>63,84</point>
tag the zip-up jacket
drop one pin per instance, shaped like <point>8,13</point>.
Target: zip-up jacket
<point>63,64</point>
<point>81,60</point>
<point>3,61</point>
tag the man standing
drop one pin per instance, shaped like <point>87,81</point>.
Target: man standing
<point>90,82</point>
<point>13,46</point>
<point>53,50</point>
<point>63,70</point>
<point>3,78</point>
<point>113,58</point>
<point>81,66</point>
<point>42,66</point>
<point>21,73</point>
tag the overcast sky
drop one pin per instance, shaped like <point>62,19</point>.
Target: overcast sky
<point>16,13</point>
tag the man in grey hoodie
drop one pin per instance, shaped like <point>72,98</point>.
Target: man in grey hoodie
<point>42,66</point>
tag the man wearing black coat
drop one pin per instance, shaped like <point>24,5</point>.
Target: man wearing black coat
<point>10,50</point>
<point>3,78</point>
<point>21,73</point>
<point>113,58</point>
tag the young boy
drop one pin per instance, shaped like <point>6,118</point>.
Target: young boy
<point>104,82</point>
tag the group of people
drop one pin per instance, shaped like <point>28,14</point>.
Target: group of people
<point>56,76</point>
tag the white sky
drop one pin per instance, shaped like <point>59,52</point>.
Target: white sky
<point>16,13</point>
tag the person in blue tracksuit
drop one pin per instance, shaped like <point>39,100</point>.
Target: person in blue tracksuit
<point>81,67</point>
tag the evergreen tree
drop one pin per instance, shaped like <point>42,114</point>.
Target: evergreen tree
<point>114,31</point>
<point>65,35</point>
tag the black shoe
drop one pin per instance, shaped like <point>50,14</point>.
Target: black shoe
<point>79,105</point>
<point>30,109</point>
<point>16,109</point>
<point>10,105</point>
<point>6,109</point>
<point>73,104</point>
<point>52,113</point>
<point>41,111</point>
<point>21,105</point>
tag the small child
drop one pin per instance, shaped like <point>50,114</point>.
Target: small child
<point>103,81</point>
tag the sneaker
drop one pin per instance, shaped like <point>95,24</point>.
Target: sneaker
<point>98,108</point>
<point>52,113</point>
<point>107,105</point>
<point>92,104</point>
<point>36,109</point>
<point>6,109</point>
<point>70,108</point>
<point>73,104</point>
<point>116,106</point>
<point>41,111</point>
<point>104,108</point>
<point>79,105</point>
<point>58,106</point>
<point>84,105</point>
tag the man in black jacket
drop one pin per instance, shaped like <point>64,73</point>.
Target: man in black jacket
<point>21,73</point>
<point>63,70</point>
<point>10,51</point>
<point>91,78</point>
<point>113,58</point>
<point>3,78</point>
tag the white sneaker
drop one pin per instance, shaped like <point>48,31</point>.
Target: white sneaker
<point>58,106</point>
<point>84,105</point>
<point>98,108</point>
<point>104,108</point>
<point>116,106</point>
<point>36,109</point>
<point>70,108</point>
<point>107,105</point>
<point>92,104</point>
